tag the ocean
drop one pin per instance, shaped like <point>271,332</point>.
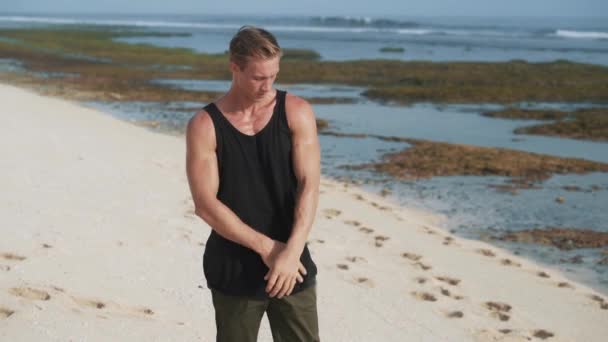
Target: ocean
<point>582,40</point>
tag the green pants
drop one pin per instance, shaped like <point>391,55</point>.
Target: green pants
<point>292,318</point>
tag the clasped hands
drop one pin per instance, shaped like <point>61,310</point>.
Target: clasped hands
<point>285,269</point>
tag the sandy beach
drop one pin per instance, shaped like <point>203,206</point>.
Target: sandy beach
<point>100,243</point>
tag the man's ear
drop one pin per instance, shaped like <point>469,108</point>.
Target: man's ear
<point>234,67</point>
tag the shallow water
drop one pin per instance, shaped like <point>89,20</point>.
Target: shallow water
<point>300,89</point>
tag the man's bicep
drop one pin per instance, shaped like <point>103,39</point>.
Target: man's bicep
<point>306,150</point>
<point>201,160</point>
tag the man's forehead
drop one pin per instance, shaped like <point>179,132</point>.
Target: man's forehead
<point>260,65</point>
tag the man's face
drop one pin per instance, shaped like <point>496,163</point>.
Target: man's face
<point>256,78</point>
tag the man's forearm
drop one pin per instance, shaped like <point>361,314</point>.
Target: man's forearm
<point>226,223</point>
<point>304,215</point>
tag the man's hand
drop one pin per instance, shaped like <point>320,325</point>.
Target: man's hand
<point>285,269</point>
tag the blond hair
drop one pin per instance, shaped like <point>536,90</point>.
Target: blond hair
<point>253,42</point>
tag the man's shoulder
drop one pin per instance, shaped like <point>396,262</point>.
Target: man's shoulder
<point>201,120</point>
<point>201,126</point>
<point>295,103</point>
<point>298,111</point>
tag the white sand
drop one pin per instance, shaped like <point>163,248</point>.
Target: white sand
<point>123,253</point>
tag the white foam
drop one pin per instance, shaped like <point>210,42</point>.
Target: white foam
<point>415,31</point>
<point>112,22</point>
<point>581,34</point>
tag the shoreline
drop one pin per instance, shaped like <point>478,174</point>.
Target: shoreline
<point>116,251</point>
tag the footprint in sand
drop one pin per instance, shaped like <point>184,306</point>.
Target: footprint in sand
<point>342,266</point>
<point>56,288</point>
<point>29,293</point>
<point>423,266</point>
<point>411,256</point>
<point>5,268</point>
<point>316,241</point>
<point>353,223</point>
<point>485,252</point>
<point>449,241</point>
<point>366,230</point>
<point>449,280</point>
<point>12,257</point>
<point>509,262</point>
<point>356,259</point>
<point>447,293</point>
<point>46,245</point>
<point>543,274</point>
<point>145,311</point>
<point>601,301</point>
<point>429,230</point>
<point>416,257</point>
<point>421,280</point>
<point>542,334</point>
<point>5,313</point>
<point>429,297</point>
<point>359,197</point>
<point>331,213</point>
<point>498,310</point>
<point>565,285</point>
<point>379,240</point>
<point>455,314</point>
<point>89,303</point>
<point>363,281</point>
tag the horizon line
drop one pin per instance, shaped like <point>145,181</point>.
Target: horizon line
<point>260,14</point>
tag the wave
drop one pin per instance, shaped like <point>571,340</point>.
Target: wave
<point>361,22</point>
<point>113,22</point>
<point>581,34</point>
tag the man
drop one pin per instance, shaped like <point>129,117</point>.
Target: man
<point>253,165</point>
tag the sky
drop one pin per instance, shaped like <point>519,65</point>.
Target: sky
<point>375,8</point>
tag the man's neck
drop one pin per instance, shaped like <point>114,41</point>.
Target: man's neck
<point>235,102</point>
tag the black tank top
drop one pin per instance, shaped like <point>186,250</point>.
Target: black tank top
<point>257,182</point>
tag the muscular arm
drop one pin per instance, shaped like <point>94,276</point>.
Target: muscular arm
<point>306,162</point>
<point>202,170</point>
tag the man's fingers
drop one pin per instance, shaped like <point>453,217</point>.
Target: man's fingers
<point>287,285</point>
<point>272,279</point>
<point>302,269</point>
<point>278,286</point>
<point>299,278</point>
<point>293,284</point>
